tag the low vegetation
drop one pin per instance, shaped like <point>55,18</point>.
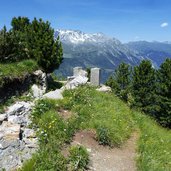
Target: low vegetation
<point>53,132</point>
<point>113,121</point>
<point>153,146</point>
<point>102,112</point>
<point>78,158</point>
<point>16,70</point>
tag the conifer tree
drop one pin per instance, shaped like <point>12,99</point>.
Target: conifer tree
<point>164,94</point>
<point>120,81</point>
<point>7,45</point>
<point>20,23</point>
<point>144,87</point>
<point>43,47</point>
<point>31,40</point>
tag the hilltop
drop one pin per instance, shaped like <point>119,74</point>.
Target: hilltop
<point>84,114</point>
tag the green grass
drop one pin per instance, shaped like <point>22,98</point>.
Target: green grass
<point>154,145</point>
<point>78,158</point>
<point>105,113</point>
<point>53,133</point>
<point>16,70</point>
<point>113,121</point>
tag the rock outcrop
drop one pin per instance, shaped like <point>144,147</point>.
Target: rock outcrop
<point>79,78</point>
<point>17,141</point>
<point>40,88</point>
<point>57,94</point>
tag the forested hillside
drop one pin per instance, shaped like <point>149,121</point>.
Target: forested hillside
<point>145,88</point>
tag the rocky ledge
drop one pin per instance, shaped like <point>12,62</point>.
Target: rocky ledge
<point>17,141</point>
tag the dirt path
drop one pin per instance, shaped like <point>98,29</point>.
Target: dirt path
<point>105,158</point>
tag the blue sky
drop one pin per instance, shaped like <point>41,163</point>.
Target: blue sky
<point>127,20</point>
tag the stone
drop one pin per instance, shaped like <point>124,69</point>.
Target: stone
<point>10,131</point>
<point>9,145</point>
<point>31,142</point>
<point>15,109</point>
<point>1,135</point>
<point>57,94</point>
<point>17,143</point>
<point>29,133</point>
<point>70,78</point>
<point>10,162</point>
<point>38,73</point>
<point>78,71</point>
<point>43,82</point>
<point>27,153</point>
<point>104,88</point>
<point>95,76</point>
<point>79,80</point>
<point>37,91</point>
<point>83,73</point>
<point>3,117</point>
<point>19,108</point>
<point>22,120</point>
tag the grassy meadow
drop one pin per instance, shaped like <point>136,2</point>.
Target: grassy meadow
<point>113,122</point>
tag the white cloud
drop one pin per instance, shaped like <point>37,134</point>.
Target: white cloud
<point>165,24</point>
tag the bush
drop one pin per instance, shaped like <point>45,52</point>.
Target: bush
<point>103,136</point>
<point>78,158</point>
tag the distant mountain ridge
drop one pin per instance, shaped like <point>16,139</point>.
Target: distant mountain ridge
<point>99,50</point>
<point>157,52</point>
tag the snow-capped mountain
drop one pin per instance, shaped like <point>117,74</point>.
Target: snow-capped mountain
<point>78,37</point>
<point>93,50</point>
<point>99,50</point>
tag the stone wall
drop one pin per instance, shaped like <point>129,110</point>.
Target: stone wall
<point>15,87</point>
<point>17,141</point>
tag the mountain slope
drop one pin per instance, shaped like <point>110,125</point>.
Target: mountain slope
<point>156,51</point>
<point>93,50</point>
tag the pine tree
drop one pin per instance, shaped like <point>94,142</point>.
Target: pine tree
<point>31,40</point>
<point>120,82</point>
<point>20,23</point>
<point>164,94</point>
<point>7,45</point>
<point>43,47</point>
<point>144,87</point>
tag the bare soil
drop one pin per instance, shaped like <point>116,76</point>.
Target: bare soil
<point>104,158</point>
<point>65,114</point>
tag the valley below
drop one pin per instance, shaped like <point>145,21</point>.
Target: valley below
<point>98,50</point>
